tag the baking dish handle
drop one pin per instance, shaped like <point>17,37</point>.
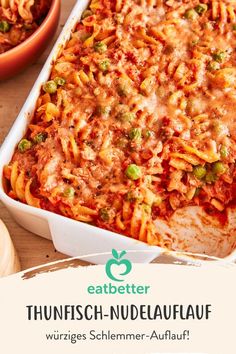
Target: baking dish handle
<point>89,243</point>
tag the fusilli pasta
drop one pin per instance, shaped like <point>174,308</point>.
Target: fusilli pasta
<point>137,119</point>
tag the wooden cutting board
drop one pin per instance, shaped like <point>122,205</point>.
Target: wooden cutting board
<point>32,250</point>
<point>9,261</point>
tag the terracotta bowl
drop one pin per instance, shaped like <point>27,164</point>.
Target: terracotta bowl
<point>18,58</point>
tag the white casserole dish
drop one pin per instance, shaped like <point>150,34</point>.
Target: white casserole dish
<point>70,237</point>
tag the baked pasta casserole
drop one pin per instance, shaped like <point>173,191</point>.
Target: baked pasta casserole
<point>19,19</point>
<point>137,119</point>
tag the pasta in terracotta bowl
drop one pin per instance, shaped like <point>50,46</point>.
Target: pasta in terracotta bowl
<point>26,28</point>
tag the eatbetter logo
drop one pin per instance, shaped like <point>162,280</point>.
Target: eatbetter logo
<point>117,261</point>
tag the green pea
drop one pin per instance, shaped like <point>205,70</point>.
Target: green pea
<point>199,172</point>
<point>104,214</point>
<point>86,13</point>
<point>4,26</point>
<point>100,47</point>
<point>104,65</point>
<point>127,117</point>
<point>133,172</point>
<point>24,145</point>
<point>135,134</point>
<point>39,138</point>
<point>219,56</point>
<point>213,66</point>
<point>210,177</point>
<point>234,27</point>
<point>50,87</point>
<point>59,81</point>
<point>224,151</point>
<point>191,14</point>
<point>218,168</point>
<point>201,8</point>
<point>69,192</point>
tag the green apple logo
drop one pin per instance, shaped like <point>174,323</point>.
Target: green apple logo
<point>117,260</point>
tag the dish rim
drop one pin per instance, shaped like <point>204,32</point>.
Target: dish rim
<point>26,112</point>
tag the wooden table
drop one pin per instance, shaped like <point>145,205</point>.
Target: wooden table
<point>32,250</point>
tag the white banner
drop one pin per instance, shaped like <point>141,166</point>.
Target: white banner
<point>120,308</point>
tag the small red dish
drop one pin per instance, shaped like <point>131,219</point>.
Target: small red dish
<point>18,58</point>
